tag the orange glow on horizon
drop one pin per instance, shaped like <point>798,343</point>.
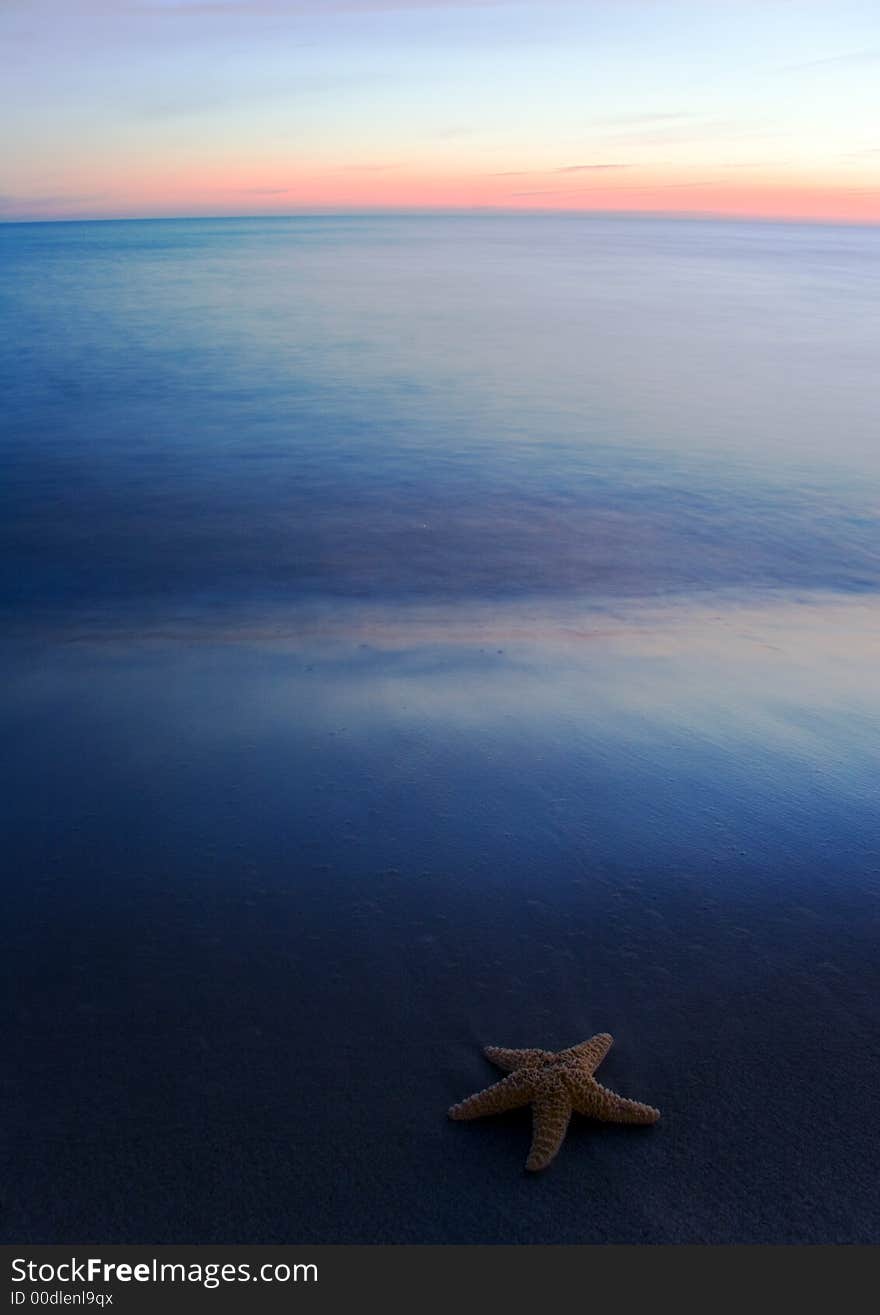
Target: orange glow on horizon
<point>247,192</point>
<point>273,187</point>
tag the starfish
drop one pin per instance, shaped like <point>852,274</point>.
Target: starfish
<point>554,1083</point>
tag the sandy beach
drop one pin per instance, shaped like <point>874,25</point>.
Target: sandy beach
<point>264,936</point>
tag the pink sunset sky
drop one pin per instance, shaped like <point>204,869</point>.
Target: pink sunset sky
<point>121,108</point>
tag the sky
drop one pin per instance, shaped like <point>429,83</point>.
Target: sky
<point>125,108</point>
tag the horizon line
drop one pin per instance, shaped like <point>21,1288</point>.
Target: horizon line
<point>467,212</point>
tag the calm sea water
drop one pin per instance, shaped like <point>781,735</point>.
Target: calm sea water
<point>424,633</point>
<point>462,407</point>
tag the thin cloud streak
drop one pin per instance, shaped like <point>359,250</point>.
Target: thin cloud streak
<point>587,168</point>
<point>634,120</point>
<point>852,57</point>
<point>621,187</point>
<point>281,8</point>
<point>367,168</point>
<point>8,203</point>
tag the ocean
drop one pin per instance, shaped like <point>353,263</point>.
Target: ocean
<point>424,632</point>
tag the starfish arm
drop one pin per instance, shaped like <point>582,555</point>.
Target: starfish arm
<point>508,1094</point>
<point>550,1116</point>
<point>589,1054</point>
<point>597,1102</point>
<point>511,1060</point>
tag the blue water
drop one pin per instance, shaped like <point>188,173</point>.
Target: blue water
<point>426,632</point>
<point>368,407</point>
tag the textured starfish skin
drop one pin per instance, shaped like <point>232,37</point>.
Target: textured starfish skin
<point>554,1083</point>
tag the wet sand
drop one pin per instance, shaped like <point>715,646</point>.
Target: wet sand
<point>271,888</point>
